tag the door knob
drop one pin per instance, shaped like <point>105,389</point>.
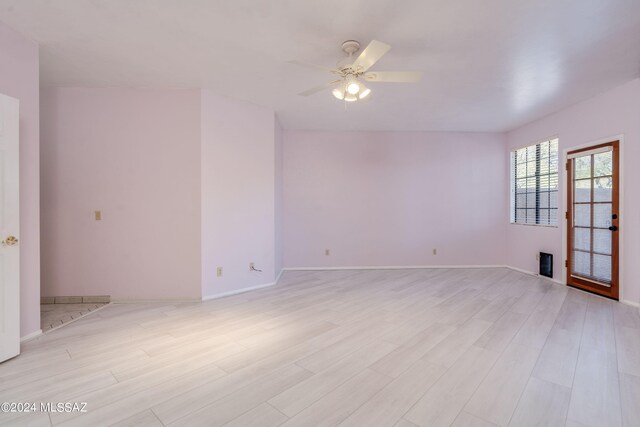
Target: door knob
<point>10,241</point>
<point>613,228</point>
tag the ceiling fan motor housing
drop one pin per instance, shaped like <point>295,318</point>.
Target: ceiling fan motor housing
<point>349,47</point>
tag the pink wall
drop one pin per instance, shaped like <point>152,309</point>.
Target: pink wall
<point>238,192</point>
<point>388,199</point>
<point>612,113</point>
<point>19,79</point>
<point>135,155</point>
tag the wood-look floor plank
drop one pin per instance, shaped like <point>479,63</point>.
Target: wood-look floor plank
<point>625,315</point>
<point>322,359</point>
<point>263,415</point>
<point>297,398</point>
<point>155,381</point>
<point>465,419</point>
<point>528,302</point>
<point>241,401</point>
<point>442,403</point>
<point>386,407</point>
<point>143,419</point>
<point>37,419</point>
<point>496,308</point>
<point>536,329</point>
<point>497,396</point>
<point>448,351</point>
<point>630,396</point>
<point>180,355</point>
<point>557,361</point>
<point>123,407</point>
<point>599,329</point>
<point>59,372</point>
<point>336,406</point>
<point>396,362</point>
<point>628,350</point>
<point>404,423</point>
<point>47,391</point>
<point>595,396</point>
<point>174,407</point>
<point>542,404</point>
<point>461,347</point>
<point>501,332</point>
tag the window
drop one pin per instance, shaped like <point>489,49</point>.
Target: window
<point>534,184</point>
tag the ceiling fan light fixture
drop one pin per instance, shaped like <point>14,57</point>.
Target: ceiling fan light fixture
<point>352,71</point>
<point>364,92</point>
<point>349,97</point>
<point>353,88</point>
<point>346,91</point>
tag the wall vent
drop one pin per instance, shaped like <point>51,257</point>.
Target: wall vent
<point>546,264</point>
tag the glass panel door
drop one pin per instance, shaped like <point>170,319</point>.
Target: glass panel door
<point>593,219</point>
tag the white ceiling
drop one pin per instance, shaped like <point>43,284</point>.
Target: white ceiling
<point>489,65</point>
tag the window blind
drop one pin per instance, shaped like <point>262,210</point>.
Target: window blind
<point>534,184</point>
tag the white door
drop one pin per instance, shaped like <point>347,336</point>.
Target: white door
<point>9,226</point>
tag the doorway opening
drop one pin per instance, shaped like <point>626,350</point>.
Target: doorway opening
<point>593,218</point>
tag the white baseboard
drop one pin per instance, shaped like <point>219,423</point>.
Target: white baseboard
<point>401,267</point>
<point>31,336</point>
<point>560,282</point>
<point>238,291</point>
<point>531,273</point>
<point>204,297</point>
<point>631,303</point>
<point>390,267</point>
<point>279,276</point>
<point>408,267</point>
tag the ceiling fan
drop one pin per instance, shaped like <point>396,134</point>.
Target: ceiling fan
<point>351,72</point>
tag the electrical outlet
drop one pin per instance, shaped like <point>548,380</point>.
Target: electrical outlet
<point>219,271</point>
<point>98,215</point>
<point>327,252</point>
<point>435,251</point>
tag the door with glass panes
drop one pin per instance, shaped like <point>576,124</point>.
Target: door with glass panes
<point>593,218</point>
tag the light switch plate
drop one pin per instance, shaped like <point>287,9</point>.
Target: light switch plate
<point>98,215</point>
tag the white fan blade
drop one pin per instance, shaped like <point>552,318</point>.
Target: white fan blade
<point>313,66</point>
<point>319,88</point>
<point>393,76</point>
<point>370,55</point>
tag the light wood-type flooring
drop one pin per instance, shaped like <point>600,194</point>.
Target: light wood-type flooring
<point>430,347</point>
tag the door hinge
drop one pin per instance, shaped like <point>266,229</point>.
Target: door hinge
<point>566,263</point>
<point>566,215</point>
